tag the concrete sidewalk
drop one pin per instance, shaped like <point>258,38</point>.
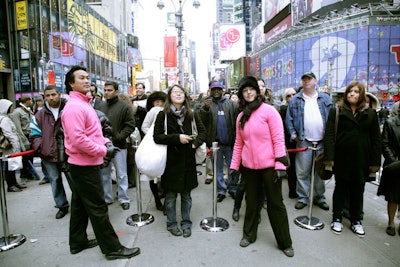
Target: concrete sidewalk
<point>32,213</point>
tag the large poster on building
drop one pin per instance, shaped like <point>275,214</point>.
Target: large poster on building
<point>67,48</point>
<point>272,8</point>
<point>232,42</point>
<point>99,38</point>
<point>368,54</point>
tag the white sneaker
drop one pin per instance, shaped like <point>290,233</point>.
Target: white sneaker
<point>336,227</point>
<point>358,229</point>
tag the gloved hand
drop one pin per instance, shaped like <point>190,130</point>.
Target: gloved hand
<point>234,173</point>
<point>279,174</point>
<point>285,160</point>
<point>111,150</point>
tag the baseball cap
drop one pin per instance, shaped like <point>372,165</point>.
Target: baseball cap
<point>309,74</point>
<point>216,85</point>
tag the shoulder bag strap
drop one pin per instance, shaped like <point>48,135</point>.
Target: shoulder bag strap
<point>336,120</point>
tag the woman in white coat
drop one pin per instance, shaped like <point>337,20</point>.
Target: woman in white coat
<point>10,132</point>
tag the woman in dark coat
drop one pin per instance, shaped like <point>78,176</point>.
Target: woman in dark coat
<point>389,185</point>
<point>354,155</point>
<point>180,174</point>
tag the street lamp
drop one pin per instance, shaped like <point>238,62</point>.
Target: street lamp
<point>179,28</point>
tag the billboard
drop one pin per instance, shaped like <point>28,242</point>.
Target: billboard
<point>67,48</point>
<point>99,38</point>
<point>368,54</point>
<point>272,8</point>
<point>232,41</point>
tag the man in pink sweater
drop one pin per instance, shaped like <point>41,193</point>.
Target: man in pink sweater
<point>86,147</point>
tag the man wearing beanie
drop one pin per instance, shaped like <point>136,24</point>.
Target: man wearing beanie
<point>306,118</point>
<point>219,116</point>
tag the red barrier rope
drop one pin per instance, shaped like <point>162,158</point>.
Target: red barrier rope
<point>17,154</point>
<point>295,150</point>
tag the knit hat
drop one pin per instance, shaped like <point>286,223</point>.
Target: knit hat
<point>157,95</point>
<point>38,98</point>
<point>247,81</point>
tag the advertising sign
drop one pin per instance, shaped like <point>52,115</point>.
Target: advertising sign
<point>67,48</point>
<point>21,15</point>
<point>369,54</point>
<point>98,37</point>
<point>232,44</point>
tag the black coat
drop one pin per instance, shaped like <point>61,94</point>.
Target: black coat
<point>180,172</point>
<point>357,146</point>
<point>391,153</point>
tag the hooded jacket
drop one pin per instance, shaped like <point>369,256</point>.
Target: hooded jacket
<point>8,127</point>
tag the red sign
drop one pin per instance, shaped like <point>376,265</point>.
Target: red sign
<point>170,52</point>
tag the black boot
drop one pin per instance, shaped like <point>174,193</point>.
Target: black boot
<point>235,214</point>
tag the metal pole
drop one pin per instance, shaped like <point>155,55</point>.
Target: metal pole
<point>309,222</point>
<point>139,219</point>
<point>179,27</point>
<point>214,223</point>
<point>8,241</point>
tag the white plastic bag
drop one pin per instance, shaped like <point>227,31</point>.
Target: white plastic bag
<point>201,151</point>
<point>15,163</point>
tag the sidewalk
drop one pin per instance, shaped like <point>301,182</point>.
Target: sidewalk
<point>32,213</point>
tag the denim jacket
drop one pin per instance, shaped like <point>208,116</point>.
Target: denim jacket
<point>295,113</point>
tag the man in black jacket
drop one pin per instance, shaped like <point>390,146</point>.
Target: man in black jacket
<point>122,122</point>
<point>219,117</point>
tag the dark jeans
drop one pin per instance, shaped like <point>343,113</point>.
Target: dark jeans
<point>88,202</point>
<point>256,181</point>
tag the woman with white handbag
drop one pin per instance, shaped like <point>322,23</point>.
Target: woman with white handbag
<point>155,103</point>
<point>180,175</point>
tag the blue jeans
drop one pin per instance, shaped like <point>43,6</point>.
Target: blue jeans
<point>304,162</point>
<point>170,207</point>
<point>224,152</point>
<point>120,165</point>
<point>57,187</point>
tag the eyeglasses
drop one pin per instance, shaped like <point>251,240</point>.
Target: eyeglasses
<point>177,92</point>
<point>290,95</point>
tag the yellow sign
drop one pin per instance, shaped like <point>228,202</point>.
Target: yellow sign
<point>21,15</point>
<point>99,38</point>
<point>138,67</point>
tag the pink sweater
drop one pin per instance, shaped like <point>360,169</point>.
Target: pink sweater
<point>84,141</point>
<point>261,141</point>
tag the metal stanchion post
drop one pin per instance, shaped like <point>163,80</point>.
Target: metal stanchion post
<point>139,219</point>
<point>8,241</point>
<point>309,222</point>
<point>214,223</point>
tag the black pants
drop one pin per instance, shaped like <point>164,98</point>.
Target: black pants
<point>88,202</point>
<point>256,181</point>
<point>353,192</point>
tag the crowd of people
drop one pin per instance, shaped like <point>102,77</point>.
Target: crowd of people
<point>89,136</point>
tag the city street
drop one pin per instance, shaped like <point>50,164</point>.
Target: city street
<point>32,213</point>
